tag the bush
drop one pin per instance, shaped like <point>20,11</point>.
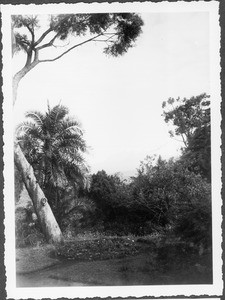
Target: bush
<point>164,195</point>
<point>195,224</point>
<point>169,194</point>
<point>28,232</point>
<point>193,210</point>
<point>125,228</point>
<point>111,196</point>
<point>78,213</point>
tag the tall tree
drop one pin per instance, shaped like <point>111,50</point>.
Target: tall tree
<point>118,31</point>
<point>191,121</point>
<point>53,144</point>
<point>187,115</point>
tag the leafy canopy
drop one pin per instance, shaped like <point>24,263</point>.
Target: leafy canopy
<point>187,115</point>
<point>191,121</point>
<point>118,31</point>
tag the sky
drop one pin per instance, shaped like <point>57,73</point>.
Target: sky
<point>119,100</point>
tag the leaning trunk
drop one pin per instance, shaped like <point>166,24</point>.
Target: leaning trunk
<point>44,213</point>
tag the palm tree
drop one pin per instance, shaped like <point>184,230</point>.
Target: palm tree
<point>53,144</point>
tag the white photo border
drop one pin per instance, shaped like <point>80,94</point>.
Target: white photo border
<point>214,289</point>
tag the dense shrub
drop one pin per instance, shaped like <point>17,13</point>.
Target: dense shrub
<point>110,195</point>
<point>164,194</point>
<point>79,212</point>
<point>121,228</point>
<point>176,196</point>
<point>195,224</point>
<point>27,232</point>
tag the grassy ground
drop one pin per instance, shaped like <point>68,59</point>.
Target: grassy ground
<point>32,259</point>
<point>113,261</point>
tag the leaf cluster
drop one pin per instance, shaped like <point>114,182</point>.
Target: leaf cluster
<point>19,21</point>
<point>22,41</point>
<point>119,31</point>
<point>108,192</point>
<point>53,144</point>
<point>190,120</point>
<point>186,115</point>
<point>128,28</point>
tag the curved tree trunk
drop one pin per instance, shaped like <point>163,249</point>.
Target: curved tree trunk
<point>43,211</point>
<point>47,220</point>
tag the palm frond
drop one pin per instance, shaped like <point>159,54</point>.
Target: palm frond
<point>72,143</point>
<point>73,124</point>
<point>57,113</point>
<point>54,145</point>
<point>36,116</point>
<point>23,127</point>
<point>74,129</point>
<point>29,128</point>
<point>54,117</point>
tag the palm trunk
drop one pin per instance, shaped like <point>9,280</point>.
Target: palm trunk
<point>44,213</point>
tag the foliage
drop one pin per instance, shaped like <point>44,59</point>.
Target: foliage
<point>195,225</point>
<point>169,193</point>
<point>97,249</point>
<point>112,197</point>
<point>78,213</point>
<point>164,194</point>
<point>197,156</point>
<point>187,115</point>
<point>28,232</point>
<point>109,194</point>
<point>53,144</point>
<point>152,191</point>
<point>191,120</point>
<point>118,31</point>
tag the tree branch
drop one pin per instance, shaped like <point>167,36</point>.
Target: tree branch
<point>43,36</point>
<point>50,29</point>
<point>29,57</point>
<point>178,140</point>
<point>71,48</point>
<point>107,40</point>
<point>49,44</point>
<point>112,35</point>
<point>184,141</point>
<point>32,34</point>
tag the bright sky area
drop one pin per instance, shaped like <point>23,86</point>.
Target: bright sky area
<point>119,100</point>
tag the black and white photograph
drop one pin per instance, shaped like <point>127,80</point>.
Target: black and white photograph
<point>111,117</point>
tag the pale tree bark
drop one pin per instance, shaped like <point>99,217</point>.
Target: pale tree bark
<point>44,213</point>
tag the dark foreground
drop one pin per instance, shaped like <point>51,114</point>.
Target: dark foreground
<point>123,261</point>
